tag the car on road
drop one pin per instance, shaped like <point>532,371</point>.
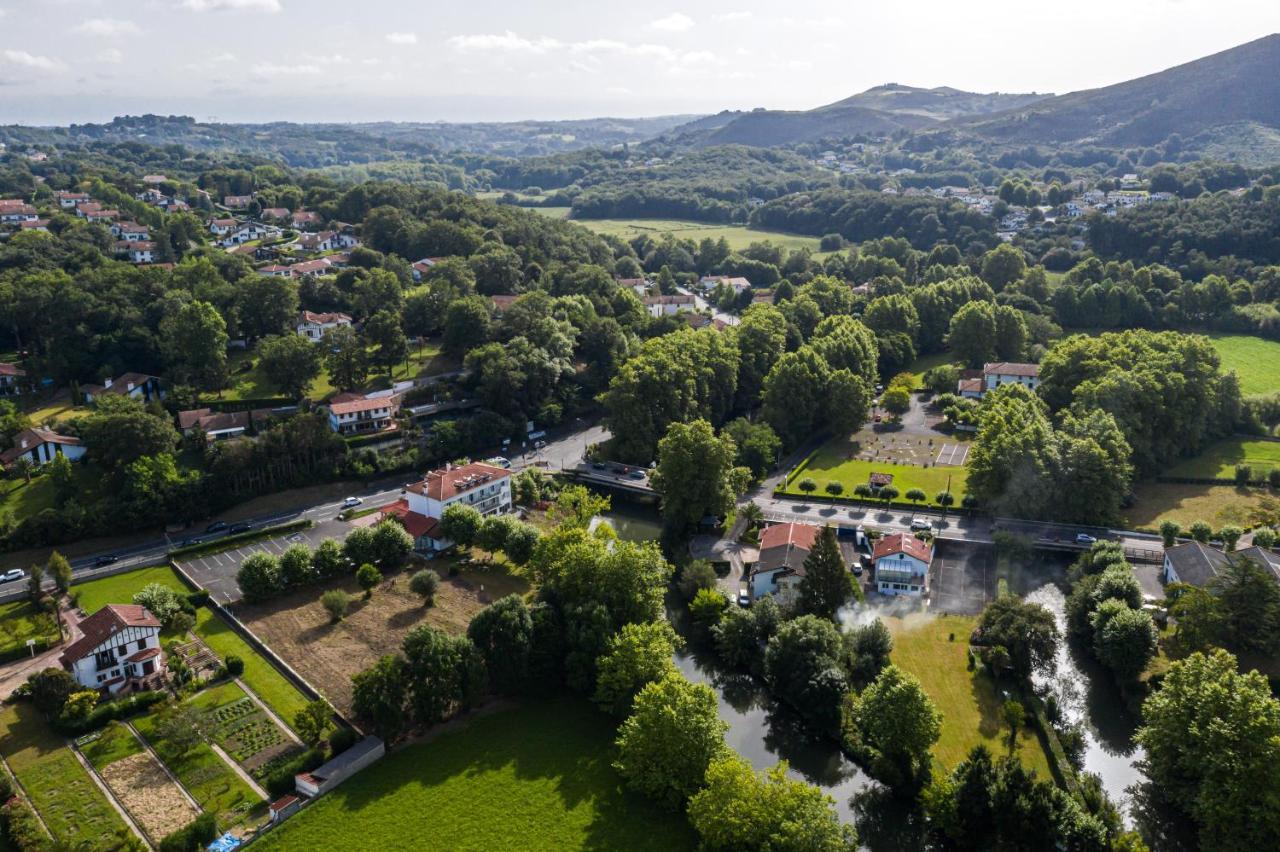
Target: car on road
<point>239,528</point>
<point>1084,538</point>
<point>744,596</point>
<point>539,444</point>
<point>216,526</point>
<point>921,525</point>
<point>192,542</point>
<point>351,502</point>
<point>108,559</point>
<point>636,474</point>
<point>499,461</point>
<point>598,466</point>
<point>12,574</point>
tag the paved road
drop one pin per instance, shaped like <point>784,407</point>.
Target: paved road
<point>703,305</point>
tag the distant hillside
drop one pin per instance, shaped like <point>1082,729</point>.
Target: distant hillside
<point>876,112</point>
<point>1240,85</point>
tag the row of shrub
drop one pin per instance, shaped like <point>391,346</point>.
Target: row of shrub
<point>194,836</point>
<point>263,576</point>
<point>110,711</point>
<point>18,821</point>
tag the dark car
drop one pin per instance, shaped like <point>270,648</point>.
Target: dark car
<point>192,542</point>
<point>109,559</point>
<point>239,528</point>
<point>597,466</point>
<point>216,526</point>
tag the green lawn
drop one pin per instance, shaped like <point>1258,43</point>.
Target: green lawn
<point>534,777</point>
<point>115,742</point>
<point>925,363</point>
<point>1185,503</point>
<point>120,589</point>
<point>267,683</point>
<point>18,624</point>
<point>829,464</point>
<point>738,236</point>
<point>1255,361</point>
<point>1219,460</point>
<point>60,788</point>
<point>207,777</point>
<point>969,701</point>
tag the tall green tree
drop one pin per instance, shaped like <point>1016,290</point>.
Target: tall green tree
<point>345,358</point>
<point>291,362</point>
<point>826,584</point>
<point>899,722</point>
<point>696,476</point>
<point>194,340</point>
<point>636,655</point>
<point>385,334</point>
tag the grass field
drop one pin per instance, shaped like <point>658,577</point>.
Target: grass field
<point>267,683</point>
<point>830,463</point>
<point>116,742</point>
<point>18,624</point>
<point>534,777</point>
<point>120,589</point>
<point>969,701</point>
<point>1156,502</point>
<point>925,363</point>
<point>1219,460</point>
<point>1254,360</point>
<point>738,236</point>
<point>73,807</point>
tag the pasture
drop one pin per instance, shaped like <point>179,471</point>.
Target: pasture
<point>738,236</point>
<point>1255,360</point>
<point>1219,459</point>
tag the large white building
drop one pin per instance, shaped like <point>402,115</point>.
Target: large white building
<point>484,487</point>
<point>313,326</point>
<point>352,414</point>
<point>902,565</point>
<point>119,649</point>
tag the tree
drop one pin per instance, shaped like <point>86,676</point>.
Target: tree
<point>1003,266</point>
<point>673,734</point>
<point>503,633</point>
<point>345,358</point>
<point>637,655</point>
<point>575,506</point>
<point>1014,715</point>
<point>291,362</point>
<point>521,540</point>
<point>888,493</point>
<point>60,570</point>
<point>757,445</point>
<point>181,726</point>
<point>384,332</point>
<point>916,495</point>
<point>1212,741</point>
<point>259,577</point>
<point>50,688</point>
<point>866,652</point>
<point>368,577</point>
<point>314,721</point>
<point>945,499</point>
<point>695,474</point>
<point>160,600</point>
<point>942,378</point>
<point>826,583</point>
<point>802,666</point>
<point>898,721</point>
<point>1124,639</point>
<point>336,602</point>
<point>328,560</point>
<point>896,400</point>
<point>1026,630</point>
<point>194,340</point>
<point>24,467</point>
<point>1230,535</point>
<point>1169,531</point>
<point>696,576</point>
<point>379,696</point>
<point>466,324</point>
<point>79,705</point>
<point>973,333</point>
<point>1201,532</point>
<point>391,544</point>
<point>707,607</point>
<point>835,488</point>
<point>121,430</point>
<point>741,809</point>
<point>1250,606</point>
<point>424,584</point>
<point>461,524</point>
<point>296,567</point>
<point>444,672</point>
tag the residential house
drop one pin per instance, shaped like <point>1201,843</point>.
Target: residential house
<point>219,227</point>
<point>901,565</point>
<point>34,225</point>
<point>130,231</point>
<point>101,215</point>
<point>277,214</point>
<point>319,266</point>
<point>16,214</point>
<point>237,202</point>
<point>137,385</point>
<point>221,425</point>
<point>313,326</point>
<point>1268,559</point>
<point>247,232</point>
<point>1007,372</point>
<point>1193,563</point>
<point>305,219</point>
<point>84,208</point>
<point>502,303</point>
<point>354,414</point>
<point>639,286</point>
<point>276,270</point>
<point>137,251</point>
<point>422,267</point>
<point>969,388</point>
<point>783,550</point>
<point>119,650</point>
<point>736,283</point>
<point>485,487</point>
<point>340,768</point>
<point>666,306</point>
<point>13,379</point>
<point>154,180</point>
<point>69,200</point>
<point>40,445</point>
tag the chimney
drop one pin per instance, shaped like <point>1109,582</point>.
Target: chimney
<point>107,382</point>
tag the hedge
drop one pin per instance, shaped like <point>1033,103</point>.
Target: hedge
<point>281,781</point>
<point>120,708</point>
<point>230,541</point>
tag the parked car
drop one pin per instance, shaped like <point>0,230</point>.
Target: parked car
<point>499,461</point>
<point>12,574</point>
<point>192,542</point>
<point>1084,538</point>
<point>108,559</point>
<point>857,569</point>
<point>216,526</point>
<point>744,596</point>
<point>539,444</point>
<point>921,525</point>
<point>239,528</point>
<point>351,502</point>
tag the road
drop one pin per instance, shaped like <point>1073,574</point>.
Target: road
<point>703,305</point>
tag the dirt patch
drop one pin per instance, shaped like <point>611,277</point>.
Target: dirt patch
<point>298,629</point>
<point>147,793</point>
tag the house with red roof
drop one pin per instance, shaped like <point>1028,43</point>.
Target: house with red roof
<point>783,550</point>
<point>354,414</point>
<point>313,325</point>
<point>484,487</point>
<point>902,565</point>
<point>41,446</point>
<point>137,385</point>
<point>118,650</point>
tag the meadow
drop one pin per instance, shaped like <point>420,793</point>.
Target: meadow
<point>738,236</point>
<point>1219,459</point>
<point>1255,360</point>
<point>538,776</point>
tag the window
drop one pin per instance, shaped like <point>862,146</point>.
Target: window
<point>142,643</point>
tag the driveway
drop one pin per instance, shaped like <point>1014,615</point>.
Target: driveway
<point>14,674</point>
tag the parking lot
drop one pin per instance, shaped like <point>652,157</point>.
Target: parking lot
<point>216,572</point>
<point>963,578</point>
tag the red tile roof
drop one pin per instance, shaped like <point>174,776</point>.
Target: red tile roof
<point>28,439</point>
<point>902,543</point>
<point>99,627</point>
<point>7,369</point>
<point>969,386</point>
<point>502,303</point>
<point>365,403</point>
<point>1009,368</point>
<point>415,523</point>
<point>797,535</point>
<point>450,481</point>
<point>324,318</point>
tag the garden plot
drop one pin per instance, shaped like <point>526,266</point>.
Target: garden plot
<point>244,731</point>
<point>146,792</point>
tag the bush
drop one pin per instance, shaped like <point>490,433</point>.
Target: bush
<point>196,835</point>
<point>336,602</point>
<point>181,622</point>
<point>368,576</point>
<point>281,780</point>
<point>424,584</point>
<point>23,827</point>
<point>695,576</point>
<point>198,599</point>
<point>1244,474</point>
<point>120,708</point>
<point>235,665</point>
<point>341,739</point>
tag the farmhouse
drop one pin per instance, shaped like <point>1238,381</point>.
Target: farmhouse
<point>119,650</point>
<point>352,414</point>
<point>902,565</point>
<point>136,251</point>
<point>136,385</point>
<point>40,446</point>
<point>218,227</point>
<point>313,326</point>
<point>1007,372</point>
<point>69,200</point>
<point>485,487</point>
<point>783,550</point>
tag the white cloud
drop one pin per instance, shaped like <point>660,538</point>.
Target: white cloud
<point>507,42</point>
<point>107,27</point>
<point>271,69</point>
<point>402,38</point>
<point>111,56</point>
<point>335,59</point>
<point>231,5</point>
<point>30,60</point>
<point>224,57</point>
<point>676,22</point>
<point>726,17</point>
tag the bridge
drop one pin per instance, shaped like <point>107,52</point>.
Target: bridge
<point>609,477</point>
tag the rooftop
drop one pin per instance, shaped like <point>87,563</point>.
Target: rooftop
<point>449,481</point>
<point>100,626</point>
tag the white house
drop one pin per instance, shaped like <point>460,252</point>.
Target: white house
<point>40,446</point>
<point>18,213</point>
<point>666,306</point>
<point>218,227</point>
<point>130,231</point>
<point>422,267</point>
<point>736,283</point>
<point>237,202</point>
<point>485,487</point>
<point>902,565</point>
<point>248,232</point>
<point>137,251</point>
<point>1193,563</point>
<point>119,650</point>
<point>639,286</point>
<point>783,550</point>
<point>69,200</point>
<point>313,326</point>
<point>136,385</point>
<point>1007,372</point>
<point>12,379</point>
<point>352,414</point>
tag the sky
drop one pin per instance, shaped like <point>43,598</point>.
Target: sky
<point>65,61</point>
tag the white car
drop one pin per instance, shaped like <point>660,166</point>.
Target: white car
<point>744,597</point>
<point>921,525</point>
<point>12,574</point>
<point>351,502</point>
